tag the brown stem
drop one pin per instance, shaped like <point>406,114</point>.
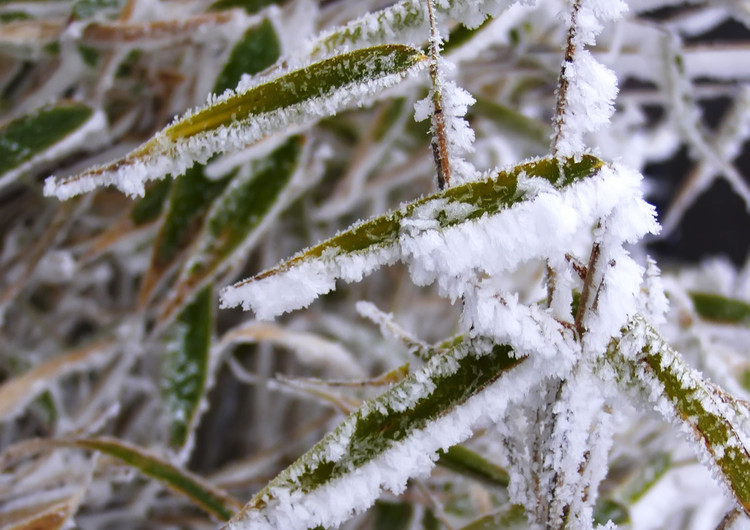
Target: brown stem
<point>562,83</point>
<point>439,141</point>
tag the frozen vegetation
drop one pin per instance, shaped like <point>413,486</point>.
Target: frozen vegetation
<point>325,264</point>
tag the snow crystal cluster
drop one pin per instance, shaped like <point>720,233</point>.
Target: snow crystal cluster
<point>588,87</point>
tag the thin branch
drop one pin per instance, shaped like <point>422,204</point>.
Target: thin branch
<point>439,140</point>
<point>562,83</point>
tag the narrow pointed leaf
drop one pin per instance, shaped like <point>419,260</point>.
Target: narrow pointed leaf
<point>186,366</point>
<point>235,120</point>
<point>716,421</point>
<point>203,494</point>
<point>365,246</point>
<point>721,309</point>
<point>48,133</point>
<point>189,201</point>
<point>471,464</point>
<point>512,517</point>
<point>150,206</point>
<point>384,442</point>
<point>258,49</point>
<point>236,217</point>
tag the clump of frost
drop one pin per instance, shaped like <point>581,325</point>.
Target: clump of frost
<point>459,135</point>
<point>589,88</point>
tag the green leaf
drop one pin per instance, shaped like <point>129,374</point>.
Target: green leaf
<point>716,420</point>
<point>607,510</point>
<point>258,49</point>
<point>391,420</point>
<point>149,207</point>
<point>513,122</point>
<point>186,366</point>
<point>721,309</point>
<point>250,6</point>
<point>28,137</point>
<point>235,217</point>
<point>468,463</point>
<point>203,494</point>
<point>646,477</point>
<point>380,236</point>
<point>236,120</point>
<point>512,517</point>
<point>393,515</point>
<point>190,200</point>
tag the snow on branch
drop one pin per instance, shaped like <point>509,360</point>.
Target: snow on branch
<point>586,89</point>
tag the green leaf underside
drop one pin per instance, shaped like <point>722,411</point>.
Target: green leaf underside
<point>242,208</point>
<point>186,365</point>
<point>376,427</point>
<point>258,49</point>
<point>720,308</point>
<point>469,463</point>
<point>688,400</point>
<point>203,494</point>
<point>486,197</point>
<point>28,136</point>
<point>318,80</point>
<point>149,207</point>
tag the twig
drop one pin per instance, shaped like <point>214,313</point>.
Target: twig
<point>439,140</point>
<point>562,83</point>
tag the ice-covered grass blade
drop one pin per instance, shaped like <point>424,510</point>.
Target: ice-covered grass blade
<point>186,366</point>
<point>237,119</point>
<point>42,136</point>
<point>382,444</point>
<point>236,216</point>
<point>370,244</point>
<point>721,309</point>
<point>200,492</point>
<point>711,417</point>
<point>189,201</point>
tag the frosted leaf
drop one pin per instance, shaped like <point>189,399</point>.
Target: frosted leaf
<point>237,119</point>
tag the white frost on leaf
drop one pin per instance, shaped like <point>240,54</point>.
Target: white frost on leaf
<point>163,155</point>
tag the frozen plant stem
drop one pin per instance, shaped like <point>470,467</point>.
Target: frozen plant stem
<point>562,84</point>
<point>439,141</point>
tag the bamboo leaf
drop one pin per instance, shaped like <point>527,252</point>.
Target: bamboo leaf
<point>149,207</point>
<point>714,419</point>
<point>393,515</point>
<point>382,443</point>
<point>469,463</point>
<point>512,517</point>
<point>237,119</point>
<point>203,494</point>
<point>721,309</point>
<point>258,49</point>
<point>187,366</point>
<point>237,217</point>
<point>48,133</point>
<point>606,510</point>
<point>190,200</point>
<point>365,246</point>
